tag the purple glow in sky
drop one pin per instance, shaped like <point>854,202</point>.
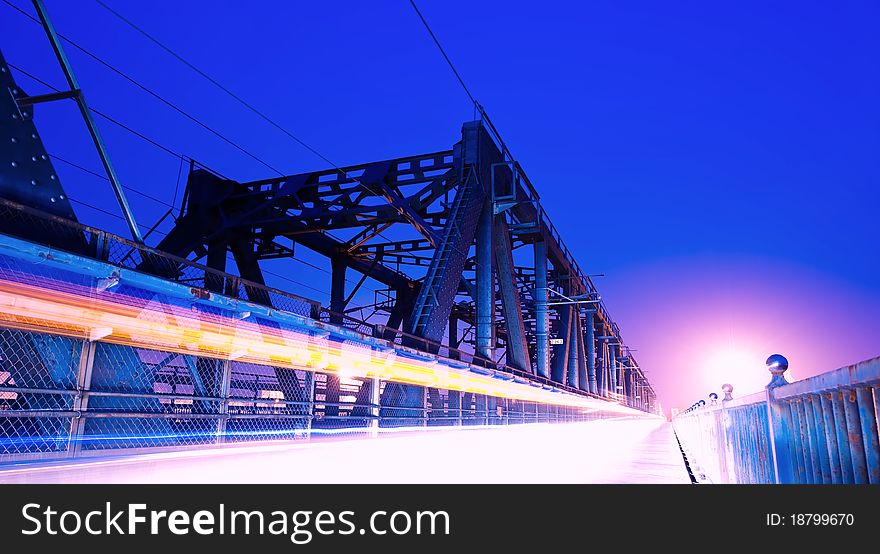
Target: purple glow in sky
<point>701,321</point>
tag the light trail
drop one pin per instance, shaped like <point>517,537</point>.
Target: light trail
<point>68,309</point>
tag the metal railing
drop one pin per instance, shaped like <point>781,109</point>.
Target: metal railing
<point>820,430</point>
<point>64,397</point>
<point>81,239</point>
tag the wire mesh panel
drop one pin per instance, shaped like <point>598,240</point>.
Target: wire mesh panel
<point>443,407</point>
<point>474,409</point>
<point>29,277</point>
<point>137,398</point>
<point>37,390</point>
<point>124,253</point>
<point>517,411</point>
<point>268,403</point>
<point>143,398</point>
<point>402,405</point>
<point>342,403</point>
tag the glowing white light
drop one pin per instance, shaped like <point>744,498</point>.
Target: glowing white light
<point>735,363</point>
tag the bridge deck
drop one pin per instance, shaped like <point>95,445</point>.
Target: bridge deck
<point>606,451</point>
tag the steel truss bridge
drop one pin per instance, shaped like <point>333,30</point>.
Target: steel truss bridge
<point>484,316</point>
<point>484,319</point>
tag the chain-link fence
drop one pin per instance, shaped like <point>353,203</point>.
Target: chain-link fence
<point>96,360</point>
<point>64,397</point>
<point>37,392</point>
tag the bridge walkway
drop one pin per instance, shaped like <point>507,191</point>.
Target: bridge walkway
<point>618,451</point>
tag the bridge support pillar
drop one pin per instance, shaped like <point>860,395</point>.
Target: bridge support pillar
<point>603,367</point>
<point>216,260</point>
<point>573,348</point>
<point>453,336</point>
<point>454,396</point>
<point>561,351</point>
<point>337,289</point>
<point>582,356</point>
<point>628,385</point>
<point>485,301</point>
<point>337,307</point>
<point>590,347</point>
<point>542,319</point>
<point>612,368</point>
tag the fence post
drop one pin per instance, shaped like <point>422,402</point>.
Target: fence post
<point>225,379</point>
<point>84,369</point>
<point>728,460</point>
<point>780,424</point>
<point>81,400</point>
<point>375,397</point>
<point>424,411</point>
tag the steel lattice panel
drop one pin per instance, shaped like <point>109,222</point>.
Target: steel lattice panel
<point>26,172</point>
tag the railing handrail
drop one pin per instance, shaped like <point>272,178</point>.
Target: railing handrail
<point>866,372</point>
<point>821,429</point>
<point>152,251</point>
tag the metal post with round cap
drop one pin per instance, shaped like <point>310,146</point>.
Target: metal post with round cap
<point>780,422</point>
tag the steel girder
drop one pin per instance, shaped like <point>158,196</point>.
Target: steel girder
<point>412,224</point>
<point>440,286</point>
<point>561,355</point>
<point>517,344</point>
<point>474,155</point>
<point>590,344</point>
<point>438,197</point>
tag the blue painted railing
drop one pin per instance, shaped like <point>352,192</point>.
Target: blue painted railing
<point>818,430</point>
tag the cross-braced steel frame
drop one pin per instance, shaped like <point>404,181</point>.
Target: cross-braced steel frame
<point>459,240</point>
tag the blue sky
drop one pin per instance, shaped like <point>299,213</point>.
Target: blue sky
<point>699,154</point>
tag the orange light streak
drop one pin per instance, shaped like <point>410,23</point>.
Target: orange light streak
<point>173,329</point>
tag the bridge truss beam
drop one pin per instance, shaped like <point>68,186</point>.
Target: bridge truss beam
<point>443,232</point>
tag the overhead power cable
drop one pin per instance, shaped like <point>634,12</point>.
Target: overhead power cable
<point>243,102</point>
<point>155,95</point>
<point>442,51</point>
<point>138,192</point>
<point>100,113</point>
<point>269,120</point>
